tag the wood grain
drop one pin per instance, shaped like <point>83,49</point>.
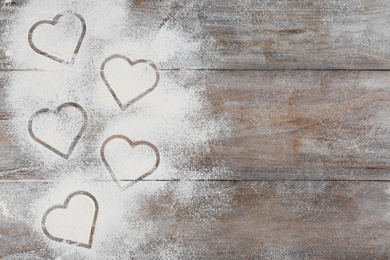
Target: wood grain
<point>303,124</point>
<point>297,34</point>
<point>300,172</point>
<point>285,125</point>
<point>260,220</point>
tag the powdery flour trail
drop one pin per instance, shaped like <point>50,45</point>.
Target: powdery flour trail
<point>171,117</point>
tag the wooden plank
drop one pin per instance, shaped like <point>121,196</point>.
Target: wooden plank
<point>256,34</point>
<point>303,124</point>
<point>222,220</point>
<point>285,125</point>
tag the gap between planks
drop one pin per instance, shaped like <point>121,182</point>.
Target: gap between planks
<point>214,180</point>
<point>211,69</point>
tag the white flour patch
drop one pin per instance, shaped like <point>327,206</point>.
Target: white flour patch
<point>114,208</point>
<point>171,117</point>
<point>73,223</point>
<point>8,53</point>
<point>58,129</point>
<point>129,163</point>
<point>5,210</point>
<point>129,81</point>
<point>64,36</point>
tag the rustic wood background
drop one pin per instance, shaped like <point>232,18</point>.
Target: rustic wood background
<point>308,153</point>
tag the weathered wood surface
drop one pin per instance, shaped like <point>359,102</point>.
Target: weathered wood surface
<point>255,220</point>
<point>285,125</point>
<point>298,34</point>
<point>294,137</point>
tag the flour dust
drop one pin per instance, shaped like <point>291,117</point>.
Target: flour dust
<point>171,117</point>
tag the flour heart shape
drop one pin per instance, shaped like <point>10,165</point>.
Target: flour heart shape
<point>53,23</point>
<point>140,85</point>
<point>146,155</point>
<point>72,223</point>
<point>73,135</point>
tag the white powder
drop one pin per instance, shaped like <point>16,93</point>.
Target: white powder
<point>63,39</point>
<point>8,53</point>
<point>58,129</point>
<point>171,117</point>
<point>129,163</point>
<point>116,221</point>
<point>5,210</point>
<point>128,82</point>
<point>74,222</point>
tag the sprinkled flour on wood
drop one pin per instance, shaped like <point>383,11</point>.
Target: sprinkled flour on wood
<point>171,117</point>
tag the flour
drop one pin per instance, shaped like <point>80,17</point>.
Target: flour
<point>114,208</point>
<point>5,210</point>
<point>59,129</point>
<point>74,222</point>
<point>129,163</point>
<point>8,53</point>
<point>128,80</point>
<point>171,117</point>
<point>64,36</point>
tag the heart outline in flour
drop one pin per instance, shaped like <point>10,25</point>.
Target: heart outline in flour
<point>132,63</point>
<point>65,206</point>
<point>58,109</point>
<point>132,144</point>
<point>54,22</point>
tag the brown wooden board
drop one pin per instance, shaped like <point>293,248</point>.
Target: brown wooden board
<point>299,168</point>
<point>257,34</point>
<point>223,220</point>
<point>286,125</point>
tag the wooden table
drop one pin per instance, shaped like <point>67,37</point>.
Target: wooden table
<point>302,172</point>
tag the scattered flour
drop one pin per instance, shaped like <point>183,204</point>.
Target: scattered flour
<point>128,81</point>
<point>171,117</point>
<point>6,211</point>
<point>58,129</point>
<point>73,223</point>
<point>8,53</point>
<point>66,32</point>
<point>129,163</point>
